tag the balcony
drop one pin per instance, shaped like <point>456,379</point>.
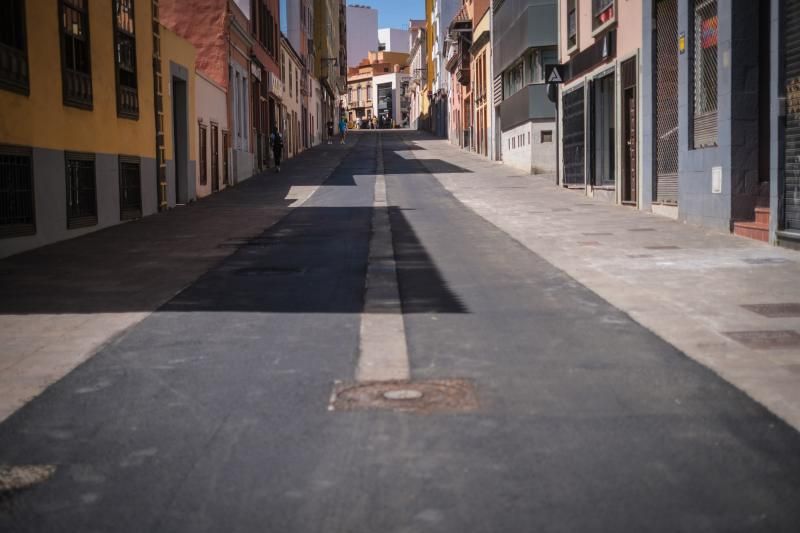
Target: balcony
<point>77,88</point>
<point>13,69</point>
<point>128,102</point>
<point>529,103</point>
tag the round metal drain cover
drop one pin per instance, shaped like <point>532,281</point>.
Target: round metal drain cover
<point>425,396</point>
<point>403,394</point>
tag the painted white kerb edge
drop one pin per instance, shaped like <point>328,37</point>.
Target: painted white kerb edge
<point>383,353</point>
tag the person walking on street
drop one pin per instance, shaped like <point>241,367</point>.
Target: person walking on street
<point>276,141</point>
<point>342,130</point>
<point>330,131</point>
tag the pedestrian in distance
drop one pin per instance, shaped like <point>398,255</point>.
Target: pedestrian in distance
<point>342,130</point>
<point>330,131</point>
<point>276,141</point>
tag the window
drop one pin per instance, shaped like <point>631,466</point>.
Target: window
<point>130,188</point>
<point>572,24</point>
<point>704,66</point>
<point>125,59</point>
<point>358,91</point>
<point>13,47</point>
<point>214,157</point>
<point>81,190</point>
<point>16,192</point>
<point>602,12</point>
<point>513,79</point>
<point>203,155</point>
<point>536,62</point>
<point>291,84</point>
<point>76,68</point>
<point>546,136</point>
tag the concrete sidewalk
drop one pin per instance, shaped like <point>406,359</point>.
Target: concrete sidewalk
<point>61,303</point>
<point>688,285</point>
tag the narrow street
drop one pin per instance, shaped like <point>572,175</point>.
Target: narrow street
<point>221,404</point>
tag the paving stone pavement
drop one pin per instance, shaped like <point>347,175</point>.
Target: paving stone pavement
<point>687,284</point>
<point>61,303</point>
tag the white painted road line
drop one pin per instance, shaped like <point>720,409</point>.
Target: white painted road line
<point>383,353</point>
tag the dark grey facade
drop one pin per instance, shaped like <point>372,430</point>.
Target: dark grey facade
<point>519,28</point>
<point>520,25</point>
<point>746,150</point>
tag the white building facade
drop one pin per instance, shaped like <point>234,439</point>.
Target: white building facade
<point>392,40</point>
<point>362,33</point>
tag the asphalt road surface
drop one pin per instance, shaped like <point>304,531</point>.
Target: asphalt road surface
<point>213,413</point>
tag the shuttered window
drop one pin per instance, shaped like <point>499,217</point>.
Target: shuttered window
<point>203,156</point>
<point>125,59</point>
<point>81,190</point>
<point>16,192</point>
<point>130,187</point>
<point>76,62</point>
<point>704,73</point>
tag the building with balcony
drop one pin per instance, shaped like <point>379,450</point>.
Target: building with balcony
<point>392,72</point>
<point>418,46</point>
<point>524,41</point>
<point>601,45</point>
<point>83,102</point>
<point>458,64</point>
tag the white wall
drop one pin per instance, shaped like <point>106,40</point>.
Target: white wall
<point>211,105</point>
<point>362,33</point>
<point>396,40</point>
<point>396,79</point>
<point>527,152</point>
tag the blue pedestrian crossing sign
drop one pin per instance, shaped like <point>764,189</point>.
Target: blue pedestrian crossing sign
<point>554,73</point>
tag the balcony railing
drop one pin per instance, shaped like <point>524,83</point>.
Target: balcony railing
<point>13,69</point>
<point>77,88</point>
<point>128,102</point>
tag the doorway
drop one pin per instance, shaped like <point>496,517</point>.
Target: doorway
<point>180,141</point>
<point>603,132</point>
<point>630,132</point>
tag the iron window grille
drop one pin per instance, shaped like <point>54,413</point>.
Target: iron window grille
<point>203,157</point>
<point>125,59</point>
<point>81,190</point>
<point>13,47</point>
<point>704,75</point>
<point>76,64</point>
<point>130,188</point>
<point>17,216</point>
<point>602,12</point>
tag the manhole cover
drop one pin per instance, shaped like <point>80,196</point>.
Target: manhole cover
<point>20,477</point>
<point>641,229</point>
<point>664,247</point>
<point>403,394</point>
<point>775,310</point>
<point>424,397</point>
<point>598,234</point>
<point>766,339</point>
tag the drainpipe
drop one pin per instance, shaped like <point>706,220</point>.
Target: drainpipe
<point>490,103</point>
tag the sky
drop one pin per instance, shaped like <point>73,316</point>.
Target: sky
<point>391,13</point>
<point>394,13</point>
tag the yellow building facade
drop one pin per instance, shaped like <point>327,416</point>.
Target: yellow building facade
<point>77,118</point>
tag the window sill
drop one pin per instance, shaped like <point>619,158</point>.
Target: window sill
<point>604,26</point>
<point>573,49</point>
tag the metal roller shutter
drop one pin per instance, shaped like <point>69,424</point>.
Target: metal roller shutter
<point>791,190</point>
<point>666,104</point>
